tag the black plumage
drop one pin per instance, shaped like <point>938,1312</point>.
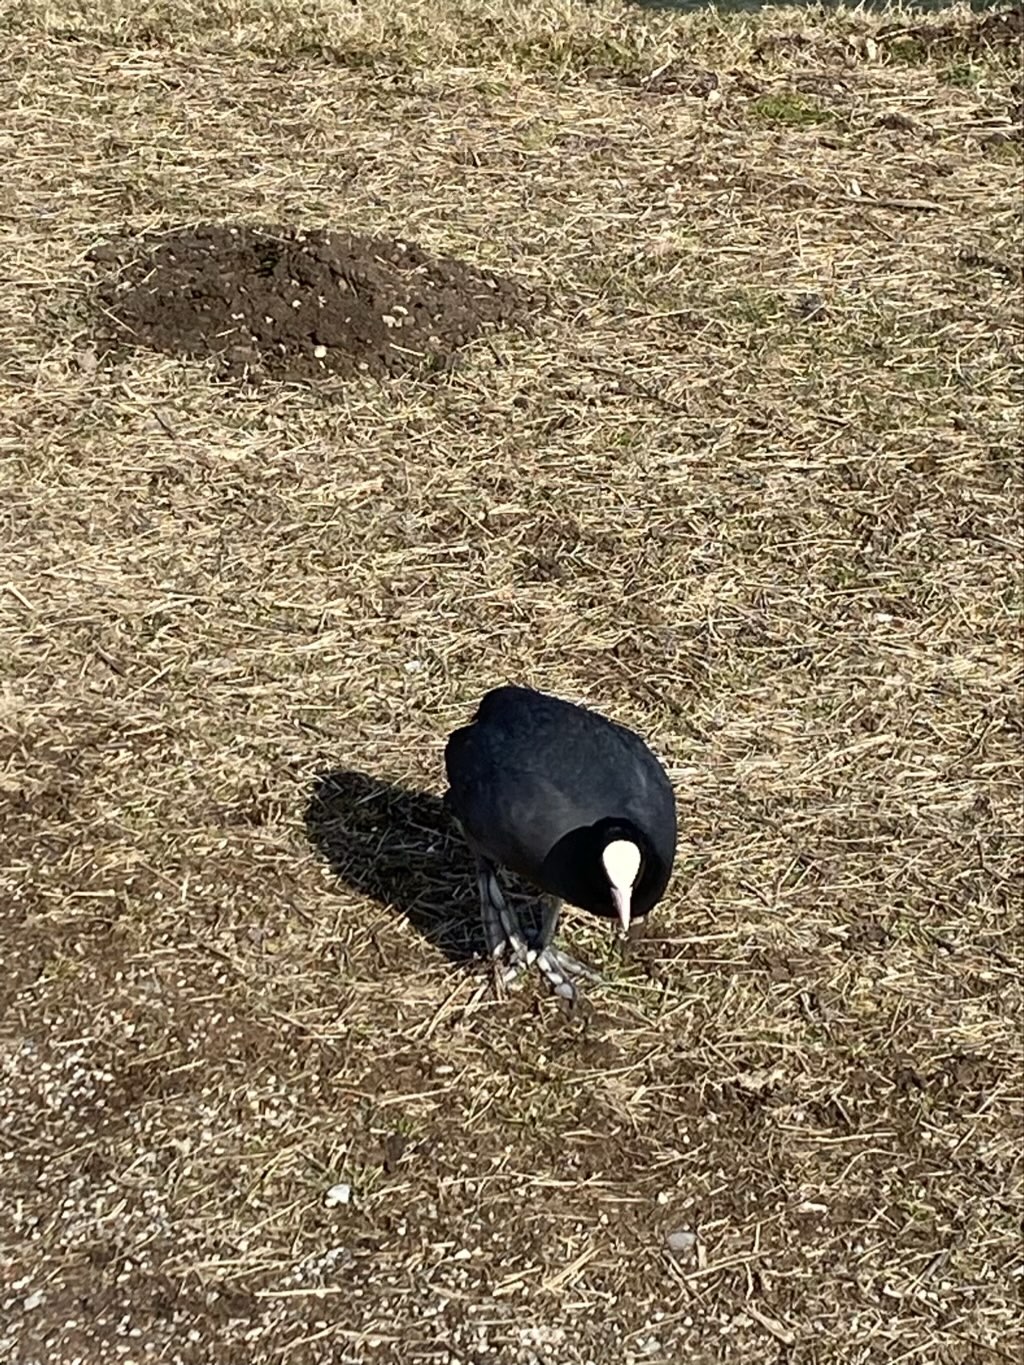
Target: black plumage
<point>542,786</point>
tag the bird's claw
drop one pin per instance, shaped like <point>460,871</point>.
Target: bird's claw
<point>511,959</point>
<point>562,972</point>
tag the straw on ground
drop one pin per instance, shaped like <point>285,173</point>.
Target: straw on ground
<point>753,488</point>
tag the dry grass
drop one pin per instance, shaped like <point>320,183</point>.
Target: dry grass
<point>784,546</point>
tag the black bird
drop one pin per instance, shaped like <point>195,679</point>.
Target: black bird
<point>574,804</point>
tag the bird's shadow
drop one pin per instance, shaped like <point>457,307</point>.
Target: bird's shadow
<point>401,848</point>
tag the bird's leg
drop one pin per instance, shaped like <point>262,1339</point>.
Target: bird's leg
<point>550,913</point>
<point>558,968</point>
<point>490,915</point>
<point>502,930</point>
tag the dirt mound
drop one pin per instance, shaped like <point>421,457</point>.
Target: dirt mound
<point>283,303</point>
<point>1002,30</point>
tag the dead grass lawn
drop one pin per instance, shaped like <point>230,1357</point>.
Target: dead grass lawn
<point>754,489</point>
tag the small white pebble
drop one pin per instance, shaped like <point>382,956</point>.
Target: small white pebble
<point>682,1241</point>
<point>319,352</point>
<point>338,1194</point>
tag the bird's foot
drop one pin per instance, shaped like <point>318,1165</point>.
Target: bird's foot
<point>511,954</point>
<point>513,950</point>
<point>562,972</point>
<point>514,957</point>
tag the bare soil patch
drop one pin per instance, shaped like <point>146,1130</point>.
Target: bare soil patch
<point>1001,29</point>
<point>292,304</point>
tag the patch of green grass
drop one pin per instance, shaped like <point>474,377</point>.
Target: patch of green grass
<point>339,1168</point>
<point>908,51</point>
<point>406,1125</point>
<point>790,109</point>
<point>964,74</point>
<point>755,307</point>
<point>1003,149</point>
<point>537,136</point>
<point>567,51</point>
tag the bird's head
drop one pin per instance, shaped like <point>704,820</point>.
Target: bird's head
<point>621,859</point>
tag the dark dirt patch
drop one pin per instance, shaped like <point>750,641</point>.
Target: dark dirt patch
<point>1003,29</point>
<point>984,32</point>
<point>283,303</point>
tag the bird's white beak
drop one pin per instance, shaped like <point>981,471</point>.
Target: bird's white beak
<point>621,899</point>
<point>621,860</point>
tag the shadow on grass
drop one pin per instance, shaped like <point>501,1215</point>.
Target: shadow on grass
<point>399,847</point>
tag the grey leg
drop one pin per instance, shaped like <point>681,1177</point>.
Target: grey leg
<point>559,968</point>
<point>502,930</point>
<point>550,913</point>
<point>494,933</point>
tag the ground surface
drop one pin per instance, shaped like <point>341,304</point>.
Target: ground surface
<point>289,304</point>
<point>751,484</point>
